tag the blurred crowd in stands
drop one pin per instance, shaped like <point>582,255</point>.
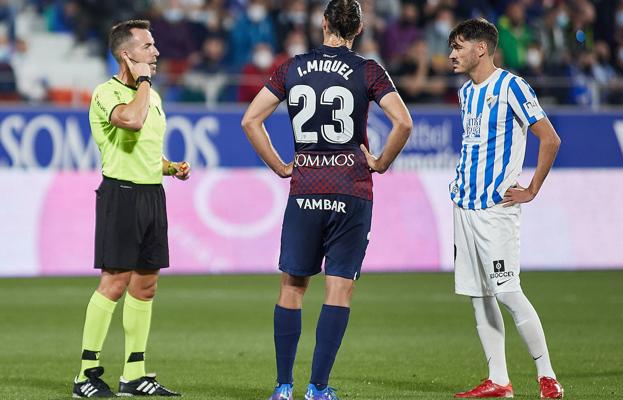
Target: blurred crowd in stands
<point>222,51</point>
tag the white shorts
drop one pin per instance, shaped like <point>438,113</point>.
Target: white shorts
<point>486,250</point>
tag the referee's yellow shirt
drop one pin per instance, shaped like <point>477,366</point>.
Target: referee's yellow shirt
<point>127,155</point>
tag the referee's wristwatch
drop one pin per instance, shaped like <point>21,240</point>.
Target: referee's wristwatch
<point>143,78</point>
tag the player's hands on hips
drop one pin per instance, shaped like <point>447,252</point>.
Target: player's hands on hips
<point>286,170</point>
<point>373,162</point>
<point>517,195</point>
<point>137,69</point>
<point>182,170</point>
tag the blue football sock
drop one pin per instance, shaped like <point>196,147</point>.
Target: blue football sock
<point>287,334</point>
<point>329,333</point>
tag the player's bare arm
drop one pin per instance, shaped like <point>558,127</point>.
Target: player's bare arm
<point>179,170</point>
<point>549,143</point>
<point>132,115</point>
<point>402,125</point>
<point>253,125</point>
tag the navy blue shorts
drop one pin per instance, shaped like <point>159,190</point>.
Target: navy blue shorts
<point>331,227</point>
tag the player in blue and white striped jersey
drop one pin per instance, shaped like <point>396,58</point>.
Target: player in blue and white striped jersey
<point>496,114</point>
<point>497,109</point>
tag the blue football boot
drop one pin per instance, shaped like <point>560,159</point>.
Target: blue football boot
<point>282,392</point>
<point>327,393</point>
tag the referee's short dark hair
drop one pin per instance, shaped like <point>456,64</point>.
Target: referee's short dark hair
<point>122,32</point>
<point>476,29</point>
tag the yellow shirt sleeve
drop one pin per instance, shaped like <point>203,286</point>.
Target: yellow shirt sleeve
<point>105,98</point>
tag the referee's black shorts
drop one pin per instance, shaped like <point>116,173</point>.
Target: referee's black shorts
<point>130,226</point>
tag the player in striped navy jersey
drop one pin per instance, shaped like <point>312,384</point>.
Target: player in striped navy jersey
<point>497,108</point>
<point>329,211</point>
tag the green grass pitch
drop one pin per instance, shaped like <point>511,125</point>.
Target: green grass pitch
<point>409,337</point>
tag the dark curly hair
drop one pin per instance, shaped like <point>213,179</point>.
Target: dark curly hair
<point>476,29</point>
<point>344,18</point>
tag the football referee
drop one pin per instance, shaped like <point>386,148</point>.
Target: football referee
<point>131,245</point>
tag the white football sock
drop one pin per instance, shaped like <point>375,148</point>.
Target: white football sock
<point>490,326</point>
<point>530,330</point>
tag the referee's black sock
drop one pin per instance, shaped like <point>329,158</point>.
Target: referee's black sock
<point>329,333</point>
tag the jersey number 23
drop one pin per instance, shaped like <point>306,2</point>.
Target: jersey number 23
<point>341,115</point>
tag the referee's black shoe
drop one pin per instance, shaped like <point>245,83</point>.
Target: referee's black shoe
<point>145,386</point>
<point>93,386</point>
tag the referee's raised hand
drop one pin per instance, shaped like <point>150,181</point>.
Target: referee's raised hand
<point>136,68</point>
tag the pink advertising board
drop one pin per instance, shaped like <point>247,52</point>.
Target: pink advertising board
<point>229,221</point>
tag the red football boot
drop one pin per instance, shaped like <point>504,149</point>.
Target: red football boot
<point>550,388</point>
<point>487,389</point>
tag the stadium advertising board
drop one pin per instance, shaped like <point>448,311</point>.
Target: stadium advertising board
<point>227,218</point>
<point>32,138</point>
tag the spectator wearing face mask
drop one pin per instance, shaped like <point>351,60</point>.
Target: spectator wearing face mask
<point>254,74</point>
<point>208,80</point>
<point>603,71</point>
<point>207,21</point>
<point>553,36</point>
<point>314,29</point>
<point>292,17</point>
<point>414,77</point>
<point>580,91</point>
<point>176,44</point>
<point>171,30</point>
<point>582,32</point>
<point>538,74</point>
<point>387,9</point>
<point>437,31</point>
<point>369,49</point>
<point>254,26</point>
<point>295,44</point>
<point>375,25</point>
<point>515,36</point>
<point>605,75</point>
<point>401,33</point>
<point>534,67</point>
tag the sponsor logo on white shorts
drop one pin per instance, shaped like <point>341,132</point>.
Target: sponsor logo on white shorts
<point>322,204</point>
<point>499,271</point>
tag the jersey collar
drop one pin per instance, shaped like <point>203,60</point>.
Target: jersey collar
<point>493,75</point>
<point>122,83</point>
<point>333,50</point>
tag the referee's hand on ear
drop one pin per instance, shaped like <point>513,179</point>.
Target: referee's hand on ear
<point>137,69</point>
